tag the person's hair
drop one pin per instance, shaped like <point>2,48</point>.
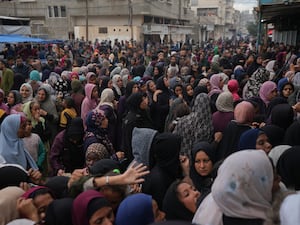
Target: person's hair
<point>41,191</point>
<point>69,102</point>
<point>31,104</point>
<point>181,110</point>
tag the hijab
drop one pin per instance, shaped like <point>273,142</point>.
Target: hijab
<point>243,186</point>
<point>12,175</point>
<point>136,209</point>
<point>174,209</point>
<point>233,87</point>
<point>266,88</point>
<point>59,212</point>
<point>215,82</point>
<point>30,97</point>
<point>8,203</point>
<point>282,115</point>
<point>107,97</point>
<point>289,210</point>
<point>248,139</point>
<point>277,151</point>
<point>9,140</point>
<point>244,113</point>
<point>80,208</point>
<point>224,102</point>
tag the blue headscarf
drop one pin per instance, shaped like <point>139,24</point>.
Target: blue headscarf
<point>248,139</point>
<point>136,209</point>
<point>12,148</point>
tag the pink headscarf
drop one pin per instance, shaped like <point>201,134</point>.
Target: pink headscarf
<point>233,87</point>
<point>266,88</point>
<point>244,113</point>
<point>215,84</point>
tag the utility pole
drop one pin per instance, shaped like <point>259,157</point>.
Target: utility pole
<point>130,12</point>
<point>258,42</point>
<point>86,20</point>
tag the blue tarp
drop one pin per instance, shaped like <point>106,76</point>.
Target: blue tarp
<point>18,38</point>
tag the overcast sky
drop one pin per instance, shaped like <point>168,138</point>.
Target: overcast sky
<point>245,4</point>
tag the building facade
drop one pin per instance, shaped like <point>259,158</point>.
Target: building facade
<point>163,20</point>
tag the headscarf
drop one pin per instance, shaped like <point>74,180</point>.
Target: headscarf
<point>282,115</point>
<point>197,126</point>
<point>248,139</point>
<point>136,209</point>
<point>89,75</point>
<point>211,153</point>
<point>30,97</point>
<point>174,209</point>
<point>233,87</point>
<point>289,210</point>
<point>58,185</point>
<point>9,140</point>
<point>35,75</point>
<point>244,113</point>
<point>104,166</point>
<point>107,97</point>
<point>88,102</point>
<point>80,211</point>
<point>22,222</point>
<point>172,222</point>
<point>274,133</point>
<point>215,82</point>
<point>32,192</point>
<point>27,111</point>
<point>266,88</point>
<point>48,104</point>
<point>8,204</point>
<point>224,102</point>
<point>12,175</point>
<point>98,149</point>
<point>288,167</point>
<point>115,83</point>
<point>243,186</point>
<point>59,212</point>
<point>277,151</point>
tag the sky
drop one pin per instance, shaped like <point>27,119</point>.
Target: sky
<point>245,4</point>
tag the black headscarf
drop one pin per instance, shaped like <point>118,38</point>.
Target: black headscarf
<point>12,176</point>
<point>202,183</point>
<point>103,166</point>
<point>288,167</point>
<point>59,185</point>
<point>282,115</point>
<point>134,101</point>
<point>275,134</point>
<point>174,209</point>
<point>59,212</point>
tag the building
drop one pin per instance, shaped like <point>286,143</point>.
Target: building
<point>283,16</point>
<point>162,20</point>
<point>245,18</point>
<point>216,18</point>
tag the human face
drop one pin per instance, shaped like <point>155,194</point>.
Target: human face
<point>28,129</point>
<point>35,111</point>
<point>188,196</point>
<point>155,71</point>
<point>95,93</point>
<point>152,86</point>
<point>10,99</point>
<point>287,90</point>
<point>158,215</point>
<point>144,103</point>
<point>262,142</point>
<point>104,123</point>
<point>190,90</point>
<point>24,92</point>
<point>41,202</point>
<point>103,216</point>
<point>135,88</point>
<point>22,129</point>
<point>41,96</point>
<point>178,91</point>
<point>120,83</point>
<point>109,84</point>
<point>91,158</point>
<point>92,80</point>
<point>272,94</point>
<point>203,164</point>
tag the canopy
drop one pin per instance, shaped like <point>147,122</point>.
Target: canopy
<point>18,38</point>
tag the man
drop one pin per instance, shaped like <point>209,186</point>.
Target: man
<point>21,68</point>
<point>7,79</point>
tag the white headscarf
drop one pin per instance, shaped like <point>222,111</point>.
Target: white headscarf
<point>243,187</point>
<point>289,210</point>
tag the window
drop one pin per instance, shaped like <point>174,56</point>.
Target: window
<point>102,30</point>
<point>57,11</point>
<point>194,2</point>
<point>63,11</point>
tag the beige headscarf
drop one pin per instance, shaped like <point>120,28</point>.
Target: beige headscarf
<point>8,204</point>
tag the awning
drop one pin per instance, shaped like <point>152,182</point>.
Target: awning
<point>18,39</point>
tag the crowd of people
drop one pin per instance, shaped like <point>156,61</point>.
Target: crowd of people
<point>131,134</point>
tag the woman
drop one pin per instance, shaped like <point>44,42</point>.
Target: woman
<point>118,88</point>
<point>224,113</point>
<point>197,126</point>
<point>26,92</point>
<point>282,115</point>
<point>14,102</point>
<point>202,162</point>
<point>91,208</point>
<point>267,92</point>
<point>255,139</point>
<point>217,84</point>
<point>241,193</point>
<point>180,202</point>
<point>13,129</point>
<point>138,209</point>
<point>59,212</point>
<point>90,101</point>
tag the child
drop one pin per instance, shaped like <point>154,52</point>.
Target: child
<point>34,145</point>
<point>68,113</point>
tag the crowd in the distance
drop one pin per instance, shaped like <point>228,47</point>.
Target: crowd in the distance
<point>130,134</point>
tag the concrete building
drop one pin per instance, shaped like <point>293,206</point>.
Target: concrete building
<point>216,18</point>
<point>163,20</point>
<point>245,18</point>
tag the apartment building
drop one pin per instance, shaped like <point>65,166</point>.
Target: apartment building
<point>163,20</point>
<point>216,18</point>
